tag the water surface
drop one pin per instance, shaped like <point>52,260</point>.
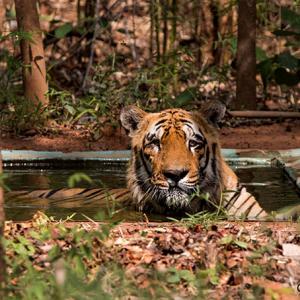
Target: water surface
<point>269,185</point>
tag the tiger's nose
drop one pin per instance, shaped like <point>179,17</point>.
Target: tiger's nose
<point>174,176</point>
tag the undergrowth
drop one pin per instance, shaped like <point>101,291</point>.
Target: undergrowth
<point>49,259</point>
<point>203,217</point>
<point>75,267</point>
<point>163,85</point>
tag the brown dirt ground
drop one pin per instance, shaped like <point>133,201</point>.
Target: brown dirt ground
<point>275,136</point>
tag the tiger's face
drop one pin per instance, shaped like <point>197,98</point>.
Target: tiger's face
<point>174,154</point>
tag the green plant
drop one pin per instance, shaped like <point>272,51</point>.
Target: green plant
<point>78,177</point>
<point>205,217</point>
<point>2,181</point>
<point>229,240</point>
<point>17,114</point>
<point>283,68</point>
<point>66,109</point>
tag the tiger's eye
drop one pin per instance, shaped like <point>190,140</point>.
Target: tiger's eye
<point>155,142</point>
<point>194,144</point>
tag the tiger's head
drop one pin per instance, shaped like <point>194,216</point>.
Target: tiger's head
<point>175,153</point>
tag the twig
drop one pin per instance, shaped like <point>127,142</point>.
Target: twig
<point>151,9</point>
<point>165,8</point>
<point>157,29</point>
<point>264,114</point>
<point>131,43</point>
<point>134,37</point>
<point>71,51</point>
<point>77,46</point>
<point>96,28</point>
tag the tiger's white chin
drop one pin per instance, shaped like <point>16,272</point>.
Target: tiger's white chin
<point>176,198</point>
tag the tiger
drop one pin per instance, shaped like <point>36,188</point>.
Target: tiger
<point>176,156</point>
<point>176,168</point>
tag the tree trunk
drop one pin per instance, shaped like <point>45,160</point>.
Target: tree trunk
<point>2,219</point>
<point>34,68</point>
<point>207,33</point>
<point>246,59</point>
<point>151,12</point>
<point>173,34</point>
<point>2,15</point>
<point>164,7</point>
<point>226,27</point>
<point>157,29</point>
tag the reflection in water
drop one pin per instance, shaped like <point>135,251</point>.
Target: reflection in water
<point>269,185</point>
<point>39,179</point>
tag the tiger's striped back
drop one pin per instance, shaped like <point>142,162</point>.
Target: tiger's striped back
<point>69,197</point>
<point>237,204</point>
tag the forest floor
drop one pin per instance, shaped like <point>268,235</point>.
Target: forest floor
<point>223,260</point>
<point>276,136</point>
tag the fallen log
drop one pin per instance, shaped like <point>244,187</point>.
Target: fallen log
<point>263,114</point>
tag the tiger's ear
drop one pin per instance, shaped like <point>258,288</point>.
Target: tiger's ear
<point>214,112</point>
<point>130,118</point>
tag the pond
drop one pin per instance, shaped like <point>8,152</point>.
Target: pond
<point>269,184</point>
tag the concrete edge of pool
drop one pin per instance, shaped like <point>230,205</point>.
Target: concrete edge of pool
<point>289,160</point>
<point>117,155</point>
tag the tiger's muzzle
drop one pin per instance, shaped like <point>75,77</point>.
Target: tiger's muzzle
<point>176,193</point>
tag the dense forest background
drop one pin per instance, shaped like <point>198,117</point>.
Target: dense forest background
<point>101,55</point>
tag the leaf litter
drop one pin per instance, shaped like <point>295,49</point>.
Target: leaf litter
<point>233,260</point>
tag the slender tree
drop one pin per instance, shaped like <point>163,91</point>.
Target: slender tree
<point>173,33</point>
<point>34,67</point>
<point>207,32</point>
<point>2,15</point>
<point>164,8</point>
<point>246,58</point>
<point>152,23</point>
<point>226,24</point>
<point>78,11</point>
<point>157,16</point>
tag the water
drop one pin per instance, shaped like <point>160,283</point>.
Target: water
<point>269,185</point>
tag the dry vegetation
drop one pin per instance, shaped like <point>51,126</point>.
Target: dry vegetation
<point>161,261</point>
